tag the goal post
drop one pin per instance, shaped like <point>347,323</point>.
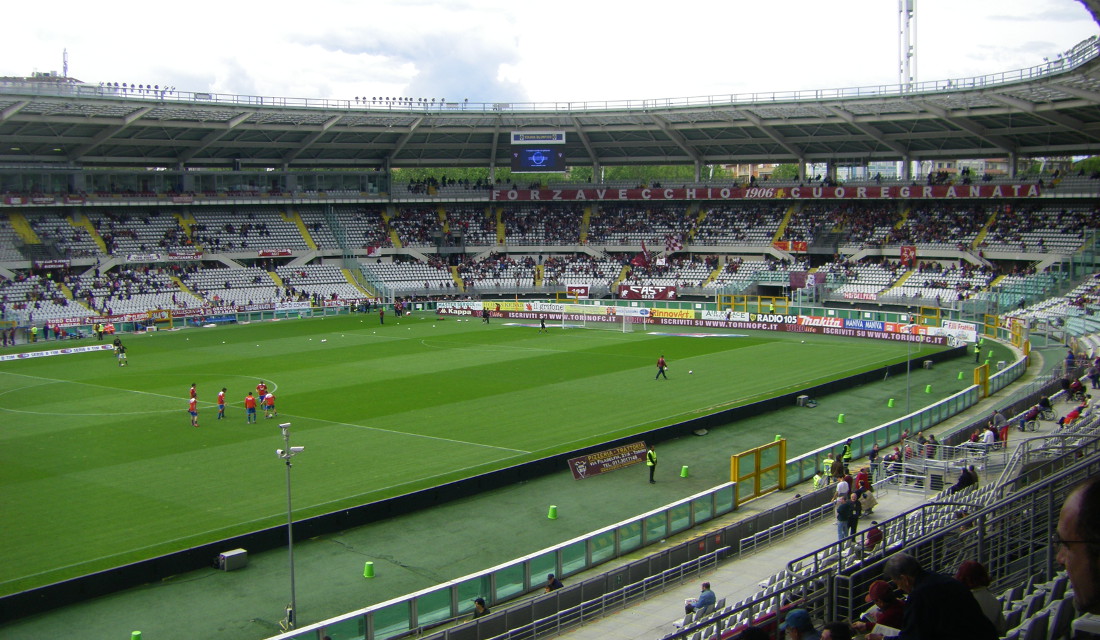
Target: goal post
<point>601,317</point>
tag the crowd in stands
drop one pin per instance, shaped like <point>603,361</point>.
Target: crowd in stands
<point>941,225</point>
<point>542,225</point>
<point>632,224</point>
<point>498,270</point>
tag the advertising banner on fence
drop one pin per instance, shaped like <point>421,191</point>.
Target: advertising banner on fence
<point>682,318</point>
<point>143,257</point>
<point>860,295</point>
<point>64,352</point>
<point>185,255</point>
<point>640,292</point>
<point>50,264</point>
<point>768,193</point>
<point>273,253</point>
<point>594,464</point>
<point>287,306</point>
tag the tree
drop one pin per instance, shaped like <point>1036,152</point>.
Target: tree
<point>785,172</point>
<point>1088,165</point>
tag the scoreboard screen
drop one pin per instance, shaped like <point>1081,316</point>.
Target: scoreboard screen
<point>538,160</point>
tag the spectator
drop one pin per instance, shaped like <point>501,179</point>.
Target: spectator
<point>1077,543</point>
<point>938,607</point>
<point>799,626</point>
<point>853,516</point>
<point>479,608</point>
<point>873,537</point>
<point>704,602</point>
<point>754,633</point>
<point>968,477</point>
<point>975,577</point>
<point>552,583</point>
<point>842,488</point>
<point>889,611</point>
<point>868,501</point>
<point>843,511</point>
<point>837,631</point>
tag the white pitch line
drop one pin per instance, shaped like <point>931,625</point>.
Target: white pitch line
<point>209,404</point>
<point>252,521</point>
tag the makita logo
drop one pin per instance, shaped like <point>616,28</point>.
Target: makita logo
<point>821,321</point>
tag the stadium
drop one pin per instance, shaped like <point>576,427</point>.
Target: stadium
<point>467,362</point>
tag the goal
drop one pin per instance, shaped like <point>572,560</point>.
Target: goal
<point>605,322</point>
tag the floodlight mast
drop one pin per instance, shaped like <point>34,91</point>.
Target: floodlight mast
<point>286,454</point>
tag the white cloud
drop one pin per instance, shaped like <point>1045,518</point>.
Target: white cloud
<point>493,50</point>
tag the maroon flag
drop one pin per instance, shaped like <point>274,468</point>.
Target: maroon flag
<point>908,256</point>
<point>642,259</point>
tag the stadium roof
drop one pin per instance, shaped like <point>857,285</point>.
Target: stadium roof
<point>1048,110</point>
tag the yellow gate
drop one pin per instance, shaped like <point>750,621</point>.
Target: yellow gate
<point>759,471</point>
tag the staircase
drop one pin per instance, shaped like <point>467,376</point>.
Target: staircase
<point>22,227</point>
<point>791,210</point>
<point>292,216</point>
<point>984,231</point>
<point>714,274</point>
<point>458,279</point>
<point>900,281</point>
<point>501,232</point>
<point>387,215</point>
<point>586,219</point>
<point>622,277</point>
<point>82,222</point>
<point>699,219</point>
<point>350,277</point>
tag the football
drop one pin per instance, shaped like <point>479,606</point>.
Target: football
<point>690,372</point>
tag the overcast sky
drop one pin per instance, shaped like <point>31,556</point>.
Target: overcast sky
<point>518,51</point>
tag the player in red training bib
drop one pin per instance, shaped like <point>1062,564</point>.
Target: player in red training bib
<point>194,394</point>
<point>269,406</point>
<point>261,390</point>
<point>221,404</point>
<point>250,408</point>
<point>193,409</point>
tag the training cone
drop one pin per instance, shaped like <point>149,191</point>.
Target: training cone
<point>840,419</point>
<point>928,388</point>
<point>890,402</point>
<point>368,569</point>
<point>989,356</point>
<point>778,437</point>
<point>135,635</point>
<point>961,375</point>
<point>553,513</point>
<point>684,471</point>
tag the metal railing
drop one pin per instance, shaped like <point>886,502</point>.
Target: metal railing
<point>1080,54</point>
<point>436,605</point>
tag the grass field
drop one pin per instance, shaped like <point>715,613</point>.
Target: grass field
<point>101,466</point>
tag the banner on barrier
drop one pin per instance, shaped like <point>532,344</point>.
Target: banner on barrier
<point>594,464</point>
<point>640,292</point>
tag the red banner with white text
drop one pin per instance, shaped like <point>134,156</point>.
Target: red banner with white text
<point>771,193</point>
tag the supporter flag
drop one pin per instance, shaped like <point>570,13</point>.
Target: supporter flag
<point>673,242</point>
<point>373,251</point>
<point>642,259</point>
<point>908,256</point>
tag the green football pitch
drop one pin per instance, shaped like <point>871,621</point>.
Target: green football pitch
<point>101,466</point>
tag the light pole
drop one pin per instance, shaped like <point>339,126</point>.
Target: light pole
<point>286,454</point>
<point>908,363</point>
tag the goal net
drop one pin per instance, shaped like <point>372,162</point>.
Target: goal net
<point>599,317</point>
